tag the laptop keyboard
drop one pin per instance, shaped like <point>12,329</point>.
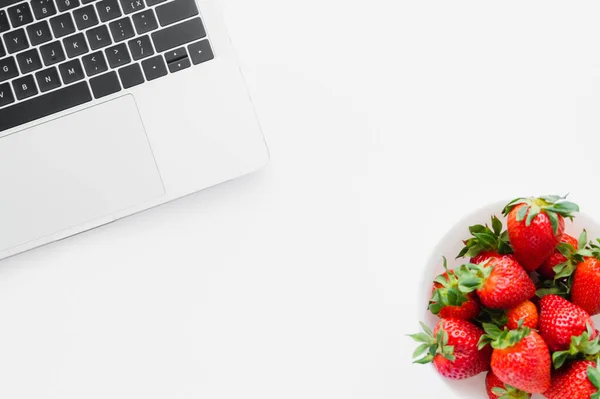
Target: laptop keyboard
<point>58,54</point>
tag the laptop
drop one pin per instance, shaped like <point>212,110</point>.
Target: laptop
<point>111,107</point>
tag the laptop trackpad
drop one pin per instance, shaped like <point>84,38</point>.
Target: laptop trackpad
<point>73,170</point>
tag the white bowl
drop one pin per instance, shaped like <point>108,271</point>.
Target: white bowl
<point>449,246</point>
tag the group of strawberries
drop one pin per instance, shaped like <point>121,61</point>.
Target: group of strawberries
<point>520,308</point>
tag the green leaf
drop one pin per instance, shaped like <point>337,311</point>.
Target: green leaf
<point>474,251</point>
<point>585,252</point>
<point>553,221</point>
<point>441,279</point>
<point>551,198</point>
<point>564,271</point>
<point>484,341</point>
<point>594,376</point>
<point>421,337</point>
<point>533,212</point>
<point>496,225</point>
<point>492,330</point>
<point>425,360</point>
<point>522,212</point>
<point>499,391</point>
<point>486,239</point>
<point>426,329</point>
<point>462,252</point>
<point>420,350</point>
<point>565,208</point>
<point>582,242</point>
<point>509,207</point>
<point>445,337</point>
<point>504,248</point>
<point>478,228</point>
<point>565,249</point>
<point>469,284</point>
<point>559,358</point>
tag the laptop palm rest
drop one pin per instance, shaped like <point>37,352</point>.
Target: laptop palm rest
<point>73,170</point>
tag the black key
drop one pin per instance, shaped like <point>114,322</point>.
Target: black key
<point>176,54</point>
<point>154,67</point>
<point>43,8</point>
<point>2,50</point>
<point>130,6</point>
<point>16,40</point>
<point>75,45</point>
<point>62,25</point>
<point>8,69</point>
<point>177,35</point>
<point>39,33</point>
<point>66,5</point>
<point>85,17</point>
<point>144,22</point>
<point>179,65</point>
<point>105,85</point>
<point>29,61</point>
<point>151,3</point>
<point>6,95</point>
<point>121,29</point>
<point>141,48</point>
<point>175,11</point>
<point>52,53</point>
<point>4,25</point>
<point>117,56</point>
<point>42,106</point>
<point>20,15</point>
<point>98,37</point>
<point>94,63</point>
<point>71,71</point>
<point>87,1</point>
<point>24,87</point>
<point>200,52</point>
<point>108,10</point>
<point>48,79</point>
<point>6,3</point>
<point>131,76</point>
<point>177,60</point>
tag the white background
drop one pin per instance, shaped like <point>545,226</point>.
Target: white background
<point>387,122</point>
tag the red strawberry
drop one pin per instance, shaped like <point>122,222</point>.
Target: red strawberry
<point>578,380</point>
<point>485,255</point>
<point>520,358</point>
<point>546,269</point>
<point>452,347</point>
<point>566,326</point>
<point>496,389</point>
<point>448,302</point>
<point>585,290</point>
<point>486,242</point>
<point>501,283</point>
<point>535,227</point>
<point>525,311</point>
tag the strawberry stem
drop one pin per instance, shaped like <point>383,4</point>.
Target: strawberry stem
<point>431,346</point>
<point>551,205</point>
<point>486,239</point>
<point>502,339</point>
<point>580,347</point>
<point>593,374</point>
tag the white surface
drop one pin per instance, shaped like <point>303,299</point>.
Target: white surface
<point>387,121</point>
<point>54,177</point>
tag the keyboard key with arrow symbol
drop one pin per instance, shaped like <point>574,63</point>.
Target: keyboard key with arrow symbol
<point>177,60</point>
<point>200,52</point>
<point>154,67</point>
